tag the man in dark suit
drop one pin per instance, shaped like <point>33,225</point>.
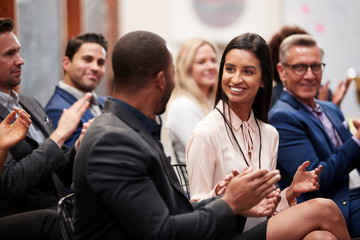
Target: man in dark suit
<point>315,130</point>
<point>33,224</point>
<point>125,187</point>
<point>84,67</point>
<point>36,169</point>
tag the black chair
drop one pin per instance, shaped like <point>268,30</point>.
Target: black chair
<point>66,216</point>
<point>181,172</point>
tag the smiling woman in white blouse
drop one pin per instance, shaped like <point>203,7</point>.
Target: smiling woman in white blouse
<point>235,135</point>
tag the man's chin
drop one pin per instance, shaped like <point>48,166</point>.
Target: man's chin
<point>15,83</point>
<point>307,94</point>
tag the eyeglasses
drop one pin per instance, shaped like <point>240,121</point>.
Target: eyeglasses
<point>300,69</point>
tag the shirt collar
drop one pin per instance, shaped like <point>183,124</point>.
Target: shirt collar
<point>152,126</point>
<point>317,105</point>
<point>74,91</point>
<point>236,122</point>
<point>10,100</point>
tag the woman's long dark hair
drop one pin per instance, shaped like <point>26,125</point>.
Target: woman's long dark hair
<point>258,46</point>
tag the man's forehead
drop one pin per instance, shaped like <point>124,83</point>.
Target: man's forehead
<point>88,48</point>
<point>303,52</point>
<point>9,41</point>
<point>303,49</point>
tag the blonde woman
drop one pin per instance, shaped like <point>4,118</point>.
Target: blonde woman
<point>194,93</point>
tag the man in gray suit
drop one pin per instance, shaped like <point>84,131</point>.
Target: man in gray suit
<point>37,169</point>
<point>125,187</point>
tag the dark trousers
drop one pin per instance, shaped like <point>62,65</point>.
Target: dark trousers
<point>39,224</point>
<point>354,222</point>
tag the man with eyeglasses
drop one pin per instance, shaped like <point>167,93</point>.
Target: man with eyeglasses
<point>315,130</point>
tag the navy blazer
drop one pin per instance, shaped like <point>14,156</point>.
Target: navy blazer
<point>34,176</point>
<point>125,187</point>
<point>302,137</point>
<point>62,99</point>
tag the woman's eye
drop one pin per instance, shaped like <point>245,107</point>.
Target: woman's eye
<point>248,72</point>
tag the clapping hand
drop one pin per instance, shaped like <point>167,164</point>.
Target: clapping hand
<point>340,91</point>
<point>12,133</point>
<point>83,130</point>
<point>306,181</point>
<point>266,207</point>
<point>221,186</point>
<point>248,188</point>
<point>356,123</point>
<point>70,119</point>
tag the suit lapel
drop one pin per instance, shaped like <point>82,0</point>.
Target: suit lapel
<point>303,111</point>
<point>3,112</point>
<point>38,116</point>
<point>70,99</point>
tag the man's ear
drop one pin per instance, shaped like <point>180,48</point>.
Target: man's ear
<point>160,80</point>
<point>281,70</point>
<point>66,62</point>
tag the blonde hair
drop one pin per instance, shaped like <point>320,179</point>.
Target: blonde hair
<point>185,83</point>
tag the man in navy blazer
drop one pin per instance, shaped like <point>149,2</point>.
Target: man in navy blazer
<point>125,186</point>
<point>84,67</point>
<point>315,130</point>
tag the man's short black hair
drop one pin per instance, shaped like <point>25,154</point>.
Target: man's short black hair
<point>6,25</point>
<point>75,43</point>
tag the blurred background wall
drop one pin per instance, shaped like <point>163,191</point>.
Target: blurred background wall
<point>44,26</point>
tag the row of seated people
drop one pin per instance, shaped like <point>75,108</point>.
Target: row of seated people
<point>37,171</point>
<point>120,171</point>
<point>74,103</point>
<point>209,160</point>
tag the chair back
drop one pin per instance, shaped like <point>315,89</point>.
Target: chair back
<point>182,174</point>
<point>66,216</point>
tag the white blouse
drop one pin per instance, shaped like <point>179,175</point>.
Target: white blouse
<point>212,152</point>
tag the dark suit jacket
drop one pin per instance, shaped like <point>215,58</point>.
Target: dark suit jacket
<point>62,99</point>
<point>303,137</point>
<point>33,174</point>
<point>125,187</point>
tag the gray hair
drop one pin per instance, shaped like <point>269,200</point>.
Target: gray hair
<point>304,40</point>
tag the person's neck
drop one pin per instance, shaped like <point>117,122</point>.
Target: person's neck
<point>241,110</point>
<point>205,90</point>
<point>6,90</point>
<point>68,82</point>
<point>137,102</point>
<point>309,102</point>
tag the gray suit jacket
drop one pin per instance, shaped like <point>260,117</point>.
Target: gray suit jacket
<point>34,175</point>
<point>125,188</point>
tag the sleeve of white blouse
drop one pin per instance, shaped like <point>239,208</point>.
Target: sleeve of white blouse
<point>274,147</point>
<point>200,162</point>
<point>283,204</point>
